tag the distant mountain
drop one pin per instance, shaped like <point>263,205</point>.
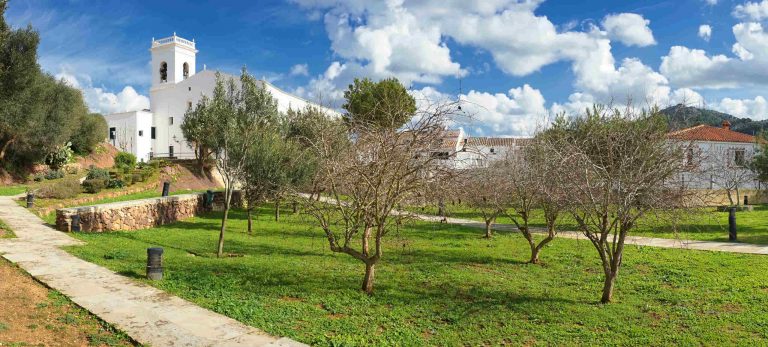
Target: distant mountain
<point>681,116</point>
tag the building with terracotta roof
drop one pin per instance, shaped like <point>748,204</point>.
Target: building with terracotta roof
<point>717,160</point>
<point>461,151</point>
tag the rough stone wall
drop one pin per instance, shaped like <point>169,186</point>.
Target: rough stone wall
<point>140,214</point>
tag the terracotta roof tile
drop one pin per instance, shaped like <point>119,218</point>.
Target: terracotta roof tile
<point>709,133</point>
<point>495,141</point>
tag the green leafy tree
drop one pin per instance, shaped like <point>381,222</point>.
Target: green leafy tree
<point>239,112</point>
<point>759,162</point>
<point>196,128</point>
<point>91,131</point>
<point>385,103</point>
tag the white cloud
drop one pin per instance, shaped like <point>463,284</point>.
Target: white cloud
<point>102,101</point>
<point>519,112</point>
<point>705,32</point>
<point>629,28</point>
<point>300,70</point>
<point>756,108</point>
<point>696,69</point>
<point>711,2</point>
<point>756,11</point>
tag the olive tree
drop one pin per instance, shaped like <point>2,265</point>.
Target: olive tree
<point>616,166</point>
<point>239,111</point>
<point>485,191</point>
<point>368,171</point>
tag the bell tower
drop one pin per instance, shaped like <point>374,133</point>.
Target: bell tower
<point>173,60</point>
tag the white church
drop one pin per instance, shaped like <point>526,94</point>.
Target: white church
<point>176,86</point>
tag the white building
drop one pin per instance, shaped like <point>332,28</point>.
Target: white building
<point>460,151</point>
<point>717,158</point>
<point>176,86</point>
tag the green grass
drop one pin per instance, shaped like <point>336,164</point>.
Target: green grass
<point>444,285</point>
<point>5,231</point>
<point>706,224</point>
<point>12,190</point>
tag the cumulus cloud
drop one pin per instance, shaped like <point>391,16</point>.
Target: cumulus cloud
<point>756,108</point>
<point>629,28</point>
<point>705,32</point>
<point>711,2</point>
<point>300,70</point>
<point>102,101</point>
<point>756,11</point>
<point>519,112</point>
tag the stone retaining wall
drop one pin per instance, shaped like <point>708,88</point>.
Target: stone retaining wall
<point>140,214</point>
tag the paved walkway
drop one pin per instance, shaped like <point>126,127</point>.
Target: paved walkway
<point>147,314</point>
<point>733,247</point>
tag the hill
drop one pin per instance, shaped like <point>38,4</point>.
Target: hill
<point>681,116</point>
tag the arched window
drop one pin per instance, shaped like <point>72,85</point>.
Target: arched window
<point>186,70</point>
<point>163,72</point>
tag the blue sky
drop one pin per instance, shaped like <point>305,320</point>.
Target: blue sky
<point>518,61</point>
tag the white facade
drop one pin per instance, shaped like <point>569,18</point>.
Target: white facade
<point>131,131</point>
<point>717,165</point>
<point>177,86</point>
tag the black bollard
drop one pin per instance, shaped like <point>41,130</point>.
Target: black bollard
<point>746,200</point>
<point>30,200</point>
<point>209,199</point>
<point>732,224</point>
<point>155,263</point>
<point>75,224</point>
<point>166,188</point>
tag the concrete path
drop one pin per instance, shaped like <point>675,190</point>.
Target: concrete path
<point>733,247</point>
<point>147,314</point>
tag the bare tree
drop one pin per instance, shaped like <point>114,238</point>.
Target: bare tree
<point>368,170</point>
<point>486,191</point>
<point>729,169</point>
<point>616,166</point>
<point>528,180</point>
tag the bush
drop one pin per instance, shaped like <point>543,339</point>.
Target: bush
<point>96,173</point>
<point>59,157</point>
<point>38,177</point>
<point>136,178</point>
<point>125,160</point>
<point>89,134</point>
<point>94,186</point>
<point>54,174</point>
<point>64,189</point>
<point>71,169</point>
<point>115,183</point>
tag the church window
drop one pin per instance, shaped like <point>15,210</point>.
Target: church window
<point>163,72</point>
<point>152,133</point>
<point>170,120</point>
<point>189,105</point>
<point>141,132</point>
<point>186,70</point>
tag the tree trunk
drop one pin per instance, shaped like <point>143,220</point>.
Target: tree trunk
<point>227,200</point>
<point>277,210</point>
<point>534,255</point>
<point>368,279</point>
<point>488,231</point>
<point>295,207</point>
<point>250,220</point>
<point>5,147</point>
<point>610,281</point>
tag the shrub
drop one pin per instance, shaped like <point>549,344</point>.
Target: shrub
<point>94,185</point>
<point>59,157</point>
<point>136,178</point>
<point>64,189</point>
<point>71,169</point>
<point>125,160</point>
<point>96,173</point>
<point>89,134</point>
<point>38,177</point>
<point>115,183</point>
<point>54,174</point>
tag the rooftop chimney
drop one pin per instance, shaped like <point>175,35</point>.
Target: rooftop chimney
<point>726,125</point>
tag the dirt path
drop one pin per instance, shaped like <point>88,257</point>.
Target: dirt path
<point>31,314</point>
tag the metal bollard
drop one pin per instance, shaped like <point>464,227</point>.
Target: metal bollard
<point>166,188</point>
<point>209,199</point>
<point>75,224</point>
<point>732,224</point>
<point>155,263</point>
<point>30,200</point>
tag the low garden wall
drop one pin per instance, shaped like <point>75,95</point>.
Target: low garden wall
<point>140,214</point>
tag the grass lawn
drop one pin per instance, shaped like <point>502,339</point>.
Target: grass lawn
<point>446,286</point>
<point>5,231</point>
<point>12,190</point>
<point>706,225</point>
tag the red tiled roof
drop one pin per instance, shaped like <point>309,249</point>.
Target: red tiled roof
<point>709,133</point>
